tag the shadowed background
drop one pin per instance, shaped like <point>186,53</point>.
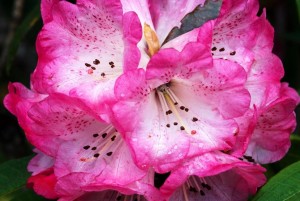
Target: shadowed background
<point>20,24</point>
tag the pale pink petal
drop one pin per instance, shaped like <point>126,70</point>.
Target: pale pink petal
<point>236,35</point>
<point>153,133</point>
<point>202,35</point>
<point>19,101</point>
<point>169,62</point>
<point>83,187</point>
<point>109,167</point>
<point>132,35</point>
<point>144,123</point>
<point>220,88</point>
<point>271,138</point>
<point>141,8</point>
<point>162,10</point>
<point>40,162</point>
<point>83,43</point>
<point>247,124</point>
<point>63,117</point>
<point>208,164</point>
<point>234,184</point>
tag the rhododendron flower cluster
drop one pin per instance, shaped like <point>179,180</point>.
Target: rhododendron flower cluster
<point>116,103</point>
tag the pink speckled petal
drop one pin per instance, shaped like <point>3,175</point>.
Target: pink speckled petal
<point>81,51</point>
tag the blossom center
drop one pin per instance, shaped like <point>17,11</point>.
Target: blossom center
<point>195,185</point>
<point>151,39</point>
<point>103,144</point>
<point>176,112</point>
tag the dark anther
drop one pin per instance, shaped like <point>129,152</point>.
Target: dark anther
<point>111,63</point>
<point>94,148</point>
<point>96,62</point>
<point>186,109</point>
<point>87,65</point>
<point>104,135</point>
<point>208,187</point>
<point>102,74</point>
<point>194,119</point>
<point>175,123</point>
<point>113,138</point>
<point>232,53</point>
<point>112,66</point>
<point>95,135</point>
<point>182,107</point>
<point>202,192</point>
<point>96,155</point>
<point>204,185</point>
<point>222,49</point>
<point>109,153</point>
<point>86,147</point>
<point>168,112</point>
<point>94,68</point>
<point>175,103</point>
<point>168,125</point>
<point>182,128</point>
<point>213,49</point>
<point>193,189</point>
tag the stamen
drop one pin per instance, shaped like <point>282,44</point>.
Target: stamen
<point>151,39</point>
<point>172,106</point>
<point>186,198</point>
<point>196,183</point>
<point>164,103</point>
<point>101,145</point>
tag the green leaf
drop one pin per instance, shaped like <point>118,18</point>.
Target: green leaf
<point>29,21</point>
<point>196,18</point>
<point>22,194</point>
<point>298,6</point>
<point>283,186</point>
<point>13,175</point>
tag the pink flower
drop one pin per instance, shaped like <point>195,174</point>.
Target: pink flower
<point>113,102</point>
<point>267,125</point>
<point>81,50</point>
<point>80,153</point>
<point>234,184</point>
<point>177,106</point>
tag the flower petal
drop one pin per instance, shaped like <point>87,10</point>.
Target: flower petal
<point>236,180</point>
<point>84,42</point>
<point>271,138</point>
<point>161,10</point>
<point>40,162</point>
<point>44,184</point>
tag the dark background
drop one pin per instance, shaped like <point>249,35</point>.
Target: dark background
<point>18,60</point>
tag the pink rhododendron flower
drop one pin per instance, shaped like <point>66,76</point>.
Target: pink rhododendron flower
<point>235,38</point>
<point>113,102</point>
<point>86,154</point>
<point>84,43</point>
<point>179,106</point>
